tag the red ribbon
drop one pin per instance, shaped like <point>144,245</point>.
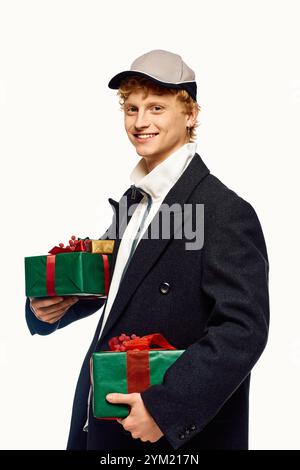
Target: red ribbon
<point>137,360</point>
<point>106,273</point>
<point>50,275</point>
<point>138,371</point>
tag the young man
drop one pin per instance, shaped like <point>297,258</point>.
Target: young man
<point>210,299</point>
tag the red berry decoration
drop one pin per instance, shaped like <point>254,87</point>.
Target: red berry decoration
<point>73,237</point>
<point>61,245</point>
<point>71,242</point>
<point>122,348</point>
<point>72,248</point>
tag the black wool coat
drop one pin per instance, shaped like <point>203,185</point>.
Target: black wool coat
<point>215,306</point>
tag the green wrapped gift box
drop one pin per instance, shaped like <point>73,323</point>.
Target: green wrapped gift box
<point>71,273</point>
<point>126,372</point>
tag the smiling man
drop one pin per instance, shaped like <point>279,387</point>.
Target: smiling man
<point>211,301</point>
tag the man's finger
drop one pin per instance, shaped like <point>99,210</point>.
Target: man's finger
<point>58,313</point>
<point>51,318</point>
<point>41,303</point>
<point>127,398</point>
<point>58,307</point>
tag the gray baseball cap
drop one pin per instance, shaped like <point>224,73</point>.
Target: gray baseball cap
<point>162,67</point>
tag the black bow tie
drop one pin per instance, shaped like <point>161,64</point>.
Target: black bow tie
<point>132,196</point>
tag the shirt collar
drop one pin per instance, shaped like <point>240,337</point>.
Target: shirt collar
<point>159,181</point>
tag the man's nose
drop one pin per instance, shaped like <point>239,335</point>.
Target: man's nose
<point>141,120</point>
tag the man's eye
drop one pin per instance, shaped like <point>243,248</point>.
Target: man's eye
<point>133,108</point>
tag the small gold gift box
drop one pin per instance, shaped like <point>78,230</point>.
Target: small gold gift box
<point>101,246</point>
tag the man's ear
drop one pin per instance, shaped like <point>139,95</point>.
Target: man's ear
<point>192,117</point>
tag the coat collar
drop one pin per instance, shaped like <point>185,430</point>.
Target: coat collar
<point>144,258</point>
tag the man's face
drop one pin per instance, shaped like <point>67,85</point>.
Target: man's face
<point>155,125</point>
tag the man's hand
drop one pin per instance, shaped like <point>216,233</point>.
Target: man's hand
<point>51,309</point>
<point>139,422</point>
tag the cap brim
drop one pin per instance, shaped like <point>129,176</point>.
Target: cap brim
<point>115,82</point>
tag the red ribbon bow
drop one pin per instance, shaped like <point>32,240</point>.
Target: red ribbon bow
<point>136,343</point>
<point>74,245</point>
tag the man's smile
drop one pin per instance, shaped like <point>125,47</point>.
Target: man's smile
<point>144,137</point>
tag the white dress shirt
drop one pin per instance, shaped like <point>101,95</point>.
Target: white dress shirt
<point>157,184</point>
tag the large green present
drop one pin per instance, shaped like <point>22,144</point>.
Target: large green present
<point>71,270</point>
<point>129,371</point>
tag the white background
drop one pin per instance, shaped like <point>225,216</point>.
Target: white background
<point>64,151</point>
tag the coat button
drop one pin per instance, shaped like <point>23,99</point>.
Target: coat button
<point>193,427</point>
<point>164,287</point>
<point>187,432</point>
<point>181,436</point>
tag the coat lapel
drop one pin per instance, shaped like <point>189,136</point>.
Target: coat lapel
<point>148,251</point>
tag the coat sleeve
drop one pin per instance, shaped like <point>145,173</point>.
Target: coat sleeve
<point>235,282</point>
<point>83,308</point>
